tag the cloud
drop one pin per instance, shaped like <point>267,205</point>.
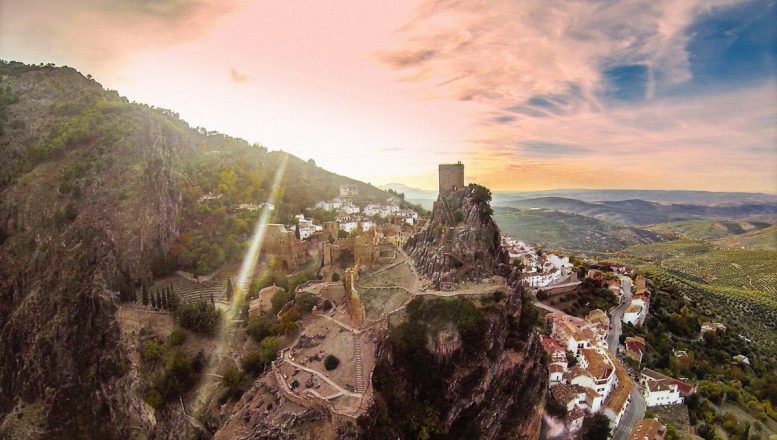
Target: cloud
<point>238,77</point>
<point>102,33</point>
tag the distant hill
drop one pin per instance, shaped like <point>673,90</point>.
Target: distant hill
<point>567,231</point>
<point>709,229</point>
<point>640,212</point>
<point>423,197</point>
<point>763,239</point>
<point>657,196</point>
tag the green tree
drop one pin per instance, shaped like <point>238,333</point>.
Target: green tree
<point>268,348</point>
<point>596,427</point>
<point>145,295</point>
<point>232,380</point>
<point>331,362</point>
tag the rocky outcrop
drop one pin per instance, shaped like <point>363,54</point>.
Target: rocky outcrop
<point>460,368</point>
<point>460,242</point>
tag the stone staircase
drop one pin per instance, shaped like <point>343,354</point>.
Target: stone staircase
<point>357,356</point>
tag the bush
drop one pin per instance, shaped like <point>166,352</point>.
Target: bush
<point>152,350</point>
<point>306,301</point>
<point>335,276</point>
<point>252,363</point>
<point>331,362</point>
<point>177,337</point>
<point>154,399</point>
<point>327,305</point>
<point>231,380</point>
<point>268,349</point>
<point>198,316</point>
<point>279,300</point>
<point>260,327</point>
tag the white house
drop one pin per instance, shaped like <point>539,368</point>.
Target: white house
<point>659,389</point>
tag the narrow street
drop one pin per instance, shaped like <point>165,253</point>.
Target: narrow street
<point>615,320</point>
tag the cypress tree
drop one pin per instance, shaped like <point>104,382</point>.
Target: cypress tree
<point>230,289</point>
<point>153,300</point>
<point>145,295</point>
<point>158,300</point>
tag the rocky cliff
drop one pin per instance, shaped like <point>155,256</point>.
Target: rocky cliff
<point>460,368</point>
<point>460,242</point>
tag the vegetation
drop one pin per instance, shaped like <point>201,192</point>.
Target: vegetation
<point>596,427</point>
<point>232,380</point>
<point>179,375</point>
<point>331,362</point>
<point>199,316</point>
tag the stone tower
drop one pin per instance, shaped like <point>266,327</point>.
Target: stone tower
<point>451,177</point>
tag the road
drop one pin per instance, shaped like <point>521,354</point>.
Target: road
<point>613,337</point>
<point>634,413</point>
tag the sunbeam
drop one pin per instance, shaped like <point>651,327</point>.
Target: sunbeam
<point>225,333</point>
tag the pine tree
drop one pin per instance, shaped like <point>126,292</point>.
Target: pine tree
<point>145,295</point>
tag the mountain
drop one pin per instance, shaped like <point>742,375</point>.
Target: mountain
<point>639,212</point>
<point>423,197</point>
<point>99,196</point>
<point>570,232</point>
<point>657,196</point>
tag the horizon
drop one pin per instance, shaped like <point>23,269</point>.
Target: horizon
<point>622,96</point>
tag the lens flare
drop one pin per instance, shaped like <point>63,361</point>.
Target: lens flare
<point>225,334</point>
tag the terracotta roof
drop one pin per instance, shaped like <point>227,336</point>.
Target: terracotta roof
<point>575,372</point>
<point>621,394</point>
<point>635,344</point>
<point>661,385</point>
<point>575,414</point>
<point>633,308</point>
<point>598,366</point>
<point>550,346</point>
<point>648,429</point>
<point>555,368</point>
<point>564,393</point>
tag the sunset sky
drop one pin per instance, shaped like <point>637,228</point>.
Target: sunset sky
<point>530,94</point>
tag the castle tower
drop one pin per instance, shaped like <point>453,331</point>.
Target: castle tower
<point>451,177</point>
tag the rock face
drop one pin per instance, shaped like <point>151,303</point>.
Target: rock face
<point>460,368</point>
<point>461,241</point>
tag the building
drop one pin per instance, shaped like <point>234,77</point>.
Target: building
<point>330,231</point>
<point>283,245</point>
<point>620,398</point>
<point>662,390</point>
<point>349,190</point>
<point>635,347</point>
<point>262,302</point>
<point>648,429</point>
<point>451,177</point>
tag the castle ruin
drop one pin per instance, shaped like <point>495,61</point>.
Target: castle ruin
<point>451,177</point>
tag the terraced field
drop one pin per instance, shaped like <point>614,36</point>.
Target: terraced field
<point>747,312</point>
<point>736,268</point>
<point>708,229</point>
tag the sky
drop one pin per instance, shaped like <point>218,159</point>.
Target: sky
<point>528,94</point>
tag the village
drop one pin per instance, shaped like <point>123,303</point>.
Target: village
<point>592,367</point>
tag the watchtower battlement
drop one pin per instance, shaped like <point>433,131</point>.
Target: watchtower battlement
<point>451,177</point>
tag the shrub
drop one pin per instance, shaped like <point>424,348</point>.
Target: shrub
<point>152,350</point>
<point>279,300</point>
<point>199,316</point>
<point>268,349</point>
<point>154,399</point>
<point>327,305</point>
<point>231,380</point>
<point>252,363</point>
<point>306,301</point>
<point>331,362</point>
<point>260,327</point>
<point>177,337</point>
<point>335,276</point>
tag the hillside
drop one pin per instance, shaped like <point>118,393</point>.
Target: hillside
<point>637,212</point>
<point>763,239</point>
<point>708,229</point>
<point>573,232</point>
<point>703,262</point>
<point>99,195</point>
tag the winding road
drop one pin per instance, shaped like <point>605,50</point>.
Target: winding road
<point>613,336</point>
